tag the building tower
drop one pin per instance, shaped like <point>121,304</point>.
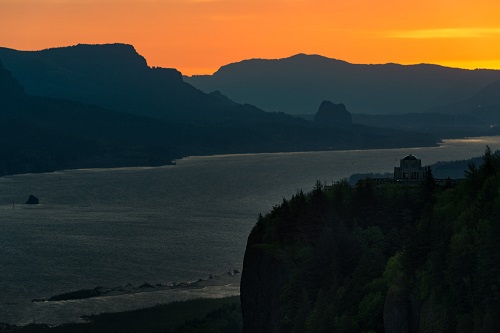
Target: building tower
<point>410,169</point>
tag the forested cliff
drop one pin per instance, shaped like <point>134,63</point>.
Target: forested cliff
<point>379,258</point>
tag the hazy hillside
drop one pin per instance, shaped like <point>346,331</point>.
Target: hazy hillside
<point>40,134</point>
<point>484,105</point>
<point>439,124</point>
<point>474,116</point>
<point>297,84</point>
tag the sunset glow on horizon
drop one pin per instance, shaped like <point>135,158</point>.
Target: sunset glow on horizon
<point>199,36</point>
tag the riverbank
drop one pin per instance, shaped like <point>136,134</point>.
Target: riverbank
<point>225,279</point>
<point>75,306</point>
<point>159,161</point>
<point>198,315</point>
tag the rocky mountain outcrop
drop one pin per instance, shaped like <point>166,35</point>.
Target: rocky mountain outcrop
<point>261,287</point>
<point>333,115</point>
<point>32,200</point>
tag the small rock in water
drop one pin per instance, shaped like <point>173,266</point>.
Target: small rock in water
<point>32,200</point>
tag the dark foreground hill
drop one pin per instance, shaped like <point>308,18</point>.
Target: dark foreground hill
<point>296,84</point>
<point>379,258</point>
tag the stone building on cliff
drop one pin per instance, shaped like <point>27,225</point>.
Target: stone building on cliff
<point>410,169</point>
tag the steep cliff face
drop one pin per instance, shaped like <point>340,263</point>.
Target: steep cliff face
<point>264,275</point>
<point>303,270</point>
<point>397,311</point>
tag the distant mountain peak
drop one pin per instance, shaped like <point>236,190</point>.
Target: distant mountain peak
<point>299,59</point>
<point>315,57</point>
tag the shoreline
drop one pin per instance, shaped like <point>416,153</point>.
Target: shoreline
<point>223,279</point>
<point>174,161</point>
<point>157,318</point>
<point>62,310</point>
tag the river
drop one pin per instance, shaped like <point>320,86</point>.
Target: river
<point>129,226</point>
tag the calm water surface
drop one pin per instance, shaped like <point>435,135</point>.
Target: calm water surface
<point>112,227</point>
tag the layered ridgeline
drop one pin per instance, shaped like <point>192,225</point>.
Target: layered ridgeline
<point>295,84</point>
<point>40,134</point>
<point>430,98</point>
<point>379,258</point>
<point>116,77</point>
<point>102,106</point>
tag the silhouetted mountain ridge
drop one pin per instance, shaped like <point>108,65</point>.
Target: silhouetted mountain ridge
<point>69,124</point>
<point>296,84</point>
<point>116,77</point>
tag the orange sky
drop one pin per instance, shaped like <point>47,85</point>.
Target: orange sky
<point>198,36</point>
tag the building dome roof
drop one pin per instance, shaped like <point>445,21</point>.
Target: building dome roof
<point>410,158</point>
